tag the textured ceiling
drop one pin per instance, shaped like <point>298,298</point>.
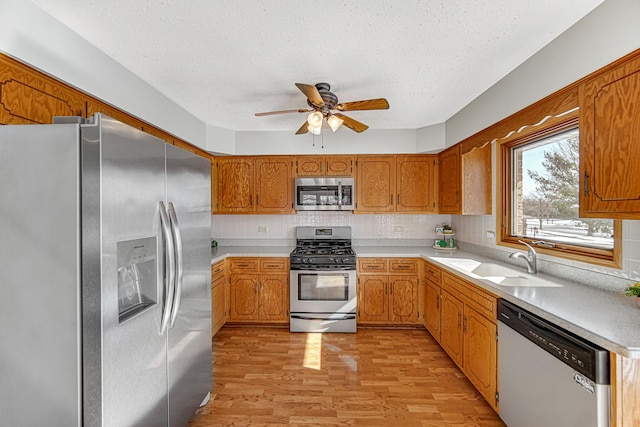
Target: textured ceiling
<point>224,60</point>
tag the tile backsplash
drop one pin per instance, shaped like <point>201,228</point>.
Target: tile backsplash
<point>364,227</point>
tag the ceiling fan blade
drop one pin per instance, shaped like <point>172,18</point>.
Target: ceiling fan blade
<point>271,113</point>
<point>352,124</point>
<point>303,129</point>
<point>311,92</point>
<point>368,104</point>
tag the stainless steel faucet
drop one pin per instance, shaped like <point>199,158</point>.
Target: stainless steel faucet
<point>529,258</point>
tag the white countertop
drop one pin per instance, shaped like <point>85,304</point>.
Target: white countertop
<point>608,319</point>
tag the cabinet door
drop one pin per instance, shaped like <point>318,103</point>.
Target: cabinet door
<point>610,143</point>
<point>449,181</point>
<point>376,184</point>
<point>30,97</point>
<point>432,297</point>
<point>217,304</point>
<point>476,181</point>
<point>244,297</point>
<point>416,179</point>
<point>373,298</point>
<point>451,332</point>
<point>273,185</point>
<point>235,184</point>
<point>274,297</point>
<point>339,165</point>
<point>480,353</point>
<point>310,166</point>
<point>403,299</point>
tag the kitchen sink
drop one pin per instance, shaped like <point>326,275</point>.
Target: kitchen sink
<point>496,273</point>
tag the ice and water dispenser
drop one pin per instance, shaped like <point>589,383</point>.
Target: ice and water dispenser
<point>137,275</point>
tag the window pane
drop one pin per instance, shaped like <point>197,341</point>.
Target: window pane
<point>545,194</point>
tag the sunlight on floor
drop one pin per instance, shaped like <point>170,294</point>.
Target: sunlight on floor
<point>313,351</point>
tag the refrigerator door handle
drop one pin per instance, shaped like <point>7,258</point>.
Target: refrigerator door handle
<point>177,241</point>
<point>170,265</point>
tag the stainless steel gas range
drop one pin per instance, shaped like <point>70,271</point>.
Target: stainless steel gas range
<point>323,281</point>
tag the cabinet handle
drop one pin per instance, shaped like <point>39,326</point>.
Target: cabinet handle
<point>398,203</point>
<point>405,266</point>
<point>250,199</point>
<point>391,199</point>
<point>459,319</point>
<point>438,302</point>
<point>586,183</point>
<point>464,324</point>
<point>257,200</point>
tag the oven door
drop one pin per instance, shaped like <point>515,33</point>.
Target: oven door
<point>322,291</point>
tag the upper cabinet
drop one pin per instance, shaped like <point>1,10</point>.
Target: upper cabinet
<point>610,142</point>
<point>449,182</point>
<point>404,184</point>
<point>324,165</point>
<point>253,185</point>
<point>464,180</point>
<point>30,97</point>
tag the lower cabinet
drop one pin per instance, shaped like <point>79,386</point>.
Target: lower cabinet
<point>469,333</point>
<point>388,291</point>
<point>432,300</point>
<point>259,290</point>
<point>218,297</point>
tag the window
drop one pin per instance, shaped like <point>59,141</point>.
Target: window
<point>540,198</point>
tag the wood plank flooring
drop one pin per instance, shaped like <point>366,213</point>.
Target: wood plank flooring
<point>374,378</point>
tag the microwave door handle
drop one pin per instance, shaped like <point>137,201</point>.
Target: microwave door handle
<point>339,193</point>
<point>177,241</point>
<point>170,266</point>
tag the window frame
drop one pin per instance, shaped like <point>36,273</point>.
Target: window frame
<point>526,134</point>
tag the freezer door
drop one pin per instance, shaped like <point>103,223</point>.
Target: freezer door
<point>40,276</point>
<point>123,175</point>
<point>189,350</point>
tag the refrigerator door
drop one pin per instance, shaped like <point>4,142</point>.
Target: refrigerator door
<point>189,350</point>
<point>123,176</point>
<point>40,335</point>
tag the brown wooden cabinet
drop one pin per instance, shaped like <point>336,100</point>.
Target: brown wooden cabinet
<point>432,300</point>
<point>449,183</point>
<point>404,184</point>
<point>261,184</point>
<point>259,290</point>
<point>388,291</point>
<point>610,142</point>
<point>218,297</point>
<point>28,96</point>
<point>469,332</point>
<point>324,165</point>
<point>416,184</point>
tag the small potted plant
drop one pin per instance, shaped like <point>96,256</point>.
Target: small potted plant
<point>633,291</point>
<point>214,246</point>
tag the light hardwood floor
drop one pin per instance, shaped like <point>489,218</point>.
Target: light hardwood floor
<point>376,378</point>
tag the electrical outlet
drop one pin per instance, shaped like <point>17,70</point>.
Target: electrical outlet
<point>491,235</point>
<point>262,229</point>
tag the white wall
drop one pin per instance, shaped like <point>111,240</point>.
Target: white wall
<point>608,33</point>
<point>364,226</point>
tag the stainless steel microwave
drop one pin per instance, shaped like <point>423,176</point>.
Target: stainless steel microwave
<point>325,194</point>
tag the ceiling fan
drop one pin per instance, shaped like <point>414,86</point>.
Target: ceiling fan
<point>322,102</point>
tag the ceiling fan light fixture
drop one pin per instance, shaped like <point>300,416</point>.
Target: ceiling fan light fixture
<point>314,130</point>
<point>334,122</point>
<point>315,119</point>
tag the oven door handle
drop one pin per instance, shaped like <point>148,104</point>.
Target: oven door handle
<point>339,194</point>
<point>346,317</point>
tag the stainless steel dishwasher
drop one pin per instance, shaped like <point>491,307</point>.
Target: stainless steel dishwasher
<point>547,376</point>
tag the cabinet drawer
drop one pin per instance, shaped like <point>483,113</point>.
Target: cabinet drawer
<point>237,265</point>
<point>479,299</point>
<point>274,264</point>
<point>403,266</point>
<point>217,270</point>
<point>432,273</point>
<point>372,265</point>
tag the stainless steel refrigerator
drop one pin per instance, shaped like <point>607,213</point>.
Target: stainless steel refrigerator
<point>105,277</point>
